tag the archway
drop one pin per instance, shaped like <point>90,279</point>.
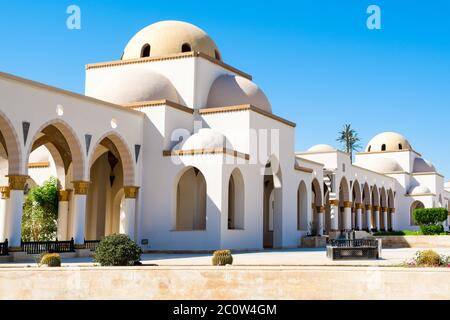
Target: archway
<point>367,213</point>
<point>391,210</point>
<point>302,207</point>
<point>317,208</point>
<point>375,214</point>
<point>415,205</point>
<point>344,205</point>
<point>236,201</point>
<point>356,206</point>
<point>191,201</point>
<point>272,205</point>
<point>383,210</point>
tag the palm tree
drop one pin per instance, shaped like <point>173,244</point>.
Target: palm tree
<point>349,139</point>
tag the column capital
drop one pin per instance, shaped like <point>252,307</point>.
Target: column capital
<point>334,202</point>
<point>383,209</point>
<point>359,206</point>
<point>5,192</point>
<point>391,210</point>
<point>369,207</point>
<point>17,182</point>
<point>81,187</point>
<point>131,192</point>
<point>63,195</point>
<point>348,204</point>
<point>376,208</point>
<point>320,209</point>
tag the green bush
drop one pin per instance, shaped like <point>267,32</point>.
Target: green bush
<point>117,250</point>
<point>430,220</point>
<point>51,260</point>
<point>428,258</point>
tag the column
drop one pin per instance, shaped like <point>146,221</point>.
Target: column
<point>129,209</point>
<point>391,225</point>
<point>80,191</point>
<point>369,217</point>
<point>334,215</point>
<point>15,211</point>
<point>63,214</point>
<point>347,215</point>
<point>377,217</point>
<point>385,218</point>
<point>320,220</point>
<point>4,202</point>
<point>359,225</point>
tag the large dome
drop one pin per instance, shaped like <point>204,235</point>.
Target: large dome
<point>321,148</point>
<point>388,141</point>
<point>417,190</point>
<point>205,139</point>
<point>230,90</point>
<point>421,165</point>
<point>170,37</point>
<point>135,86</point>
<point>381,165</point>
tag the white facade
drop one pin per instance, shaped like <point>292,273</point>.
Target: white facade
<point>182,152</point>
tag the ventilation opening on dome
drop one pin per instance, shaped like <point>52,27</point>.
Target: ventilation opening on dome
<point>400,147</point>
<point>145,52</point>
<point>186,47</point>
<point>383,147</point>
<point>217,54</point>
<point>370,148</point>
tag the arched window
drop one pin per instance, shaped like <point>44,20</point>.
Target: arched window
<point>191,201</point>
<point>383,147</point>
<point>302,207</point>
<point>236,201</point>
<point>145,52</point>
<point>217,54</point>
<point>400,146</point>
<point>186,47</point>
<point>370,148</point>
<point>414,206</point>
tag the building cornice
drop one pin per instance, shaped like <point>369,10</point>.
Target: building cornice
<point>392,151</point>
<point>116,63</point>
<point>303,169</point>
<point>159,103</point>
<point>421,195</point>
<point>309,161</point>
<point>195,152</point>
<point>245,107</point>
<point>38,165</point>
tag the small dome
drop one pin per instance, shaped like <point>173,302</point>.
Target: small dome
<point>170,37</point>
<point>230,90</point>
<point>382,165</point>
<point>135,86</point>
<point>388,141</point>
<point>419,190</point>
<point>422,165</point>
<point>205,139</point>
<point>321,148</point>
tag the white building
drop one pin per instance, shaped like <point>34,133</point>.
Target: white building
<point>181,151</point>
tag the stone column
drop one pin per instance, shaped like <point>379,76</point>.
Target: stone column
<point>63,214</point>
<point>391,212</point>
<point>369,217</point>
<point>334,215</point>
<point>347,215</point>
<point>129,209</point>
<point>320,220</point>
<point>376,210</point>
<point>4,202</point>
<point>385,218</point>
<point>80,192</point>
<point>359,225</point>
<point>15,211</point>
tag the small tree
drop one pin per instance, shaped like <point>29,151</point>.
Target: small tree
<point>40,214</point>
<point>430,220</point>
<point>349,139</point>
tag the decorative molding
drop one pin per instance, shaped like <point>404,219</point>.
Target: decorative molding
<point>168,153</point>
<point>81,187</point>
<point>391,210</point>
<point>369,207</point>
<point>131,192</point>
<point>5,192</point>
<point>184,55</point>
<point>348,204</point>
<point>320,209</point>
<point>392,151</point>
<point>359,206</point>
<point>25,130</point>
<point>64,195</point>
<point>376,208</point>
<point>137,151</point>
<point>158,103</point>
<point>334,202</point>
<point>383,209</point>
<point>17,182</point>
<point>245,107</point>
<point>38,165</point>
<point>88,139</point>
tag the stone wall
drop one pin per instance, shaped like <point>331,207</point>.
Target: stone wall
<point>225,283</point>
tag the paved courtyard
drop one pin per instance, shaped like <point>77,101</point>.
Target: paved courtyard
<point>291,257</point>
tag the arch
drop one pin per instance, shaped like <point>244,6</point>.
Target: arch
<point>356,192</point>
<point>10,141</point>
<point>236,201</point>
<point>217,55</point>
<point>383,198</point>
<point>344,193</point>
<point>317,192</point>
<point>145,51</point>
<point>302,207</point>
<point>366,194</point>
<point>272,204</point>
<point>186,47</point>
<point>124,152</point>
<point>390,197</point>
<point>73,155</point>
<point>375,196</point>
<point>191,201</point>
<point>415,205</point>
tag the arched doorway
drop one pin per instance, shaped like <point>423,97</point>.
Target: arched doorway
<point>415,205</point>
<point>191,201</point>
<point>236,201</point>
<point>272,205</point>
<point>317,208</point>
<point>302,207</point>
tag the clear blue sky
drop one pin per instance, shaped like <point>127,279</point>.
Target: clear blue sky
<point>316,60</point>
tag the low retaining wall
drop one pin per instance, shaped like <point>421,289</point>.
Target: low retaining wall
<point>415,241</point>
<point>233,283</point>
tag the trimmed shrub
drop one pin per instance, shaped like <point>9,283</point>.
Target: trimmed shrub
<point>117,250</point>
<point>430,220</point>
<point>222,258</point>
<point>428,258</point>
<point>51,260</point>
